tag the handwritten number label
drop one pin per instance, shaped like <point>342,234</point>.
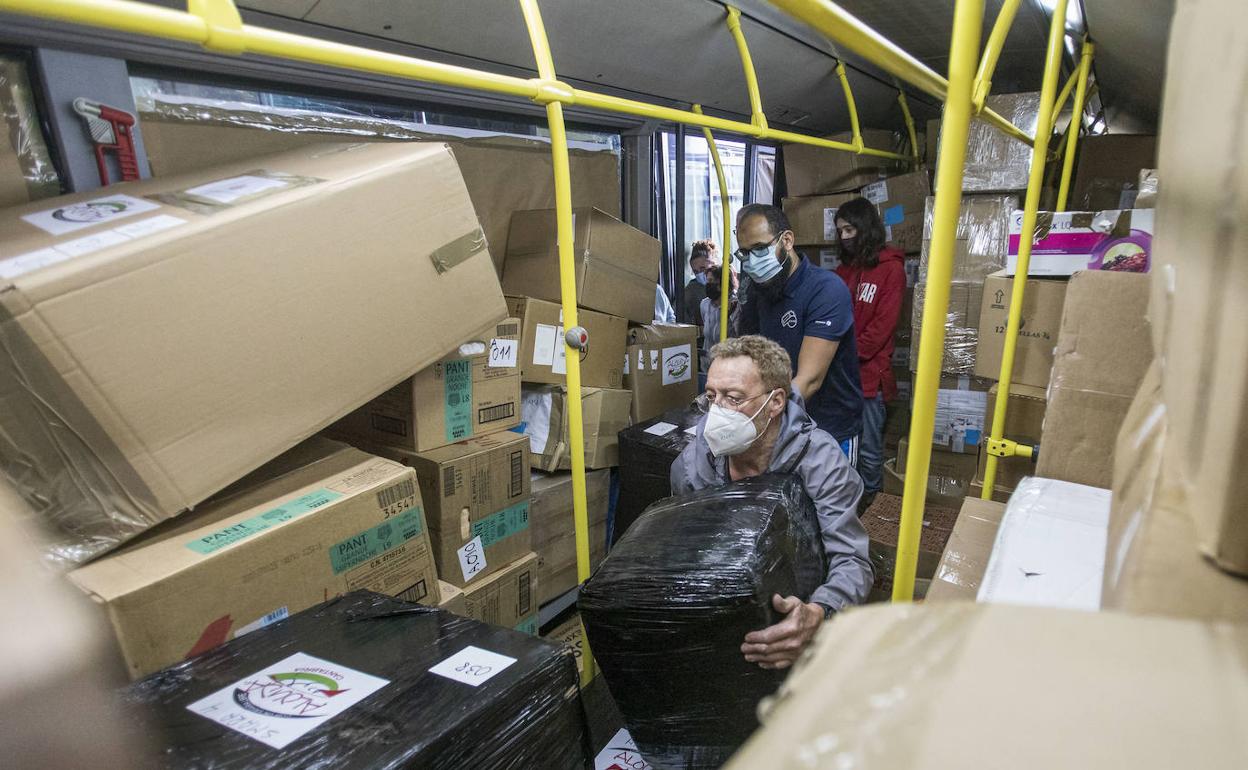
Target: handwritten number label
<point>504,353</point>
<point>472,558</point>
<point>472,666</point>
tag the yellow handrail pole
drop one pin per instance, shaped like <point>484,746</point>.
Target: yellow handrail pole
<point>1035,183</point>
<point>992,52</point>
<point>846,29</point>
<point>968,17</point>
<point>1076,123</point>
<point>567,294</point>
<point>1062,97</point>
<point>727,247</point>
<point>909,120</point>
<point>757,118</point>
<point>855,129</point>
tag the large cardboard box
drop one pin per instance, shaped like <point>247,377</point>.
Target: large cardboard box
<point>617,265</point>
<point>659,368</point>
<point>949,474</point>
<point>543,354</point>
<point>554,532</point>
<point>810,170</point>
<point>1098,689</point>
<point>966,555</point>
<point>901,201</point>
<point>883,521</point>
<point>322,520</point>
<point>452,598</point>
<point>457,398</point>
<point>1103,351</point>
<point>983,236</point>
<point>813,218</point>
<point>476,501</point>
<point>996,161</point>
<point>966,299</point>
<point>1066,242</point>
<point>960,403</point>
<point>1107,173</point>
<point>1037,332</point>
<point>508,598</point>
<point>1024,423</point>
<point>604,413</point>
<point>153,358</point>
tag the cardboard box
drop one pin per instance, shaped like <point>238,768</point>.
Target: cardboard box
<point>1037,333</point>
<point>933,139</point>
<point>996,161</point>
<point>508,598</point>
<point>26,169</point>
<point>477,503</point>
<point>572,634</point>
<point>901,201</point>
<point>176,361</point>
<point>965,558</point>
<point>883,521</point>
<point>1107,173</point>
<point>961,327</point>
<point>810,170</point>
<point>949,474</point>
<point>604,413</point>
<point>1103,351</point>
<point>452,598</point>
<point>543,354</point>
<point>1024,422</point>
<point>554,533</point>
<point>1066,242</point>
<point>813,218</point>
<point>960,404</point>
<point>457,398</point>
<point>617,265</point>
<point>826,257</point>
<point>323,520</point>
<point>972,670</point>
<point>983,236</point>
<point>659,368</point>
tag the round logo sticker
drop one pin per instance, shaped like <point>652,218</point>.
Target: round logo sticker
<point>677,365</point>
<point>294,695</point>
<point>89,212</point>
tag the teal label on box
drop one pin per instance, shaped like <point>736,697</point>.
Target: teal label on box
<point>245,529</point>
<point>375,541</point>
<point>505,523</point>
<point>528,626</point>
<point>457,385</point>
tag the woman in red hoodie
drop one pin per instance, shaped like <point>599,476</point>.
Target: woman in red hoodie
<point>876,276</point>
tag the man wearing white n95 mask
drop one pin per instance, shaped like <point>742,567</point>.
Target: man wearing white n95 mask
<point>755,423</point>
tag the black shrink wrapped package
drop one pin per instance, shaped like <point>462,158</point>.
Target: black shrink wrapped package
<point>667,611</point>
<point>281,689</point>
<point>647,451</point>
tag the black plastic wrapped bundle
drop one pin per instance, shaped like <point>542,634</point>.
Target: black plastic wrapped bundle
<point>647,451</point>
<point>667,611</point>
<point>524,714</point>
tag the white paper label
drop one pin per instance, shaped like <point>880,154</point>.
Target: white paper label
<point>641,360</point>
<point>544,344</point>
<point>281,613</point>
<point>660,429</point>
<point>654,360</point>
<point>472,558</point>
<point>621,752</point>
<point>288,699</point>
<point>677,364</point>
<point>876,192</point>
<point>691,430</point>
<point>31,260</point>
<point>473,666</point>
<point>150,225</point>
<point>91,243</point>
<point>229,190</point>
<point>504,353</point>
<point>535,406</point>
<point>559,354</point>
<point>829,224</point>
<point>627,359</point>
<point>76,216</point>
<point>888,232</point>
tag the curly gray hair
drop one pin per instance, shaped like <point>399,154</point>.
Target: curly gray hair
<point>771,359</point>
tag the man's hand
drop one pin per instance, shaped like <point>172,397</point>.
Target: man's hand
<point>780,645</point>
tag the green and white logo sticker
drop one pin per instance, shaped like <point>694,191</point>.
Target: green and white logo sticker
<point>76,216</point>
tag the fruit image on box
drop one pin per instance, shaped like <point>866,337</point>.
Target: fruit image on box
<point>1066,242</point>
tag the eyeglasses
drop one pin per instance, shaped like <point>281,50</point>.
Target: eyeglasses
<point>704,402</point>
<point>744,254</point>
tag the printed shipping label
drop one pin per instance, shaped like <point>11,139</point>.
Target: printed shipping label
<point>281,613</point>
<point>288,699</point>
<point>621,752</point>
<point>503,524</point>
<point>559,354</point>
<point>876,192</point>
<point>457,389</point>
<point>76,216</point>
<point>660,429</point>
<point>375,541</point>
<point>472,558</point>
<point>215,541</point>
<point>228,191</point>
<point>89,244</point>
<point>150,225</point>
<point>677,364</point>
<point>473,666</point>
<point>504,353</point>
<point>544,345</point>
<point>14,267</point>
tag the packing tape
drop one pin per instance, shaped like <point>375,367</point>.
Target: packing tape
<point>458,251</point>
<point>203,201</point>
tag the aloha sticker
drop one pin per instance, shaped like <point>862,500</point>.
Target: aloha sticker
<point>76,216</point>
<point>677,364</point>
<point>290,698</point>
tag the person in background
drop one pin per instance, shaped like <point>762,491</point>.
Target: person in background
<point>703,256</point>
<point>754,423</point>
<point>711,315</point>
<point>663,311</point>
<point>809,312</point>
<point>876,276</point>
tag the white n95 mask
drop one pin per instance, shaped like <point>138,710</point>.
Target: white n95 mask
<point>729,432</point>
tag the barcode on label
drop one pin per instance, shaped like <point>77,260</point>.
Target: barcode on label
<point>517,473</point>
<point>388,424</point>
<point>397,493</point>
<point>507,330</point>
<point>526,600</point>
<point>448,481</point>
<point>495,413</point>
<point>414,593</point>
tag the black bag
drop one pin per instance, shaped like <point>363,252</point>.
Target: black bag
<point>667,611</point>
<point>647,451</point>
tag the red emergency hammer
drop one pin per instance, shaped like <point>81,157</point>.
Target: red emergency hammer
<point>111,131</point>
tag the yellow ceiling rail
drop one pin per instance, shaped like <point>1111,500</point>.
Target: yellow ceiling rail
<point>1035,183</point>
<point>968,16</point>
<point>846,29</point>
<point>1062,97</point>
<point>992,52</point>
<point>909,120</point>
<point>567,293</point>
<point>757,117</point>
<point>1076,122</point>
<point>855,128</point>
<point>726,248</point>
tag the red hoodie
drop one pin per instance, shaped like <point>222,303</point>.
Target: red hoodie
<point>877,293</point>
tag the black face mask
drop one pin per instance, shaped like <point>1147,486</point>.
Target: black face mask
<point>849,247</point>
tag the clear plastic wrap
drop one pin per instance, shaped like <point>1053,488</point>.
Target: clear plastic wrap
<point>1146,198</point>
<point>668,610</point>
<point>961,327</point>
<point>26,170</point>
<point>983,236</point>
<point>518,709</point>
<point>996,161</point>
<point>647,451</point>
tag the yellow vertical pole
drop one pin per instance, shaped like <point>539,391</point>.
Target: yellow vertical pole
<point>726,254</point>
<point>855,128</point>
<point>909,120</point>
<point>757,118</point>
<point>567,290</point>
<point>968,16</point>
<point>992,52</point>
<point>1076,123</point>
<point>1035,183</point>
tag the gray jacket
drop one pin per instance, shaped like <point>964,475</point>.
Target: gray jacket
<point>831,482</point>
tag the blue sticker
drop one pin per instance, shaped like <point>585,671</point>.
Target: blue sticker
<point>973,437</point>
<point>893,215</point>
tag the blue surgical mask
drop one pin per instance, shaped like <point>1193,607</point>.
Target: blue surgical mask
<point>762,264</point>
<point>701,278</point>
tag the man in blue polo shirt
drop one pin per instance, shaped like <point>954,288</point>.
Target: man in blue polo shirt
<point>808,311</point>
